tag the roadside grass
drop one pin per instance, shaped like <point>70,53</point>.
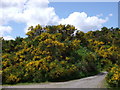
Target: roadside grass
<point>46,82</point>
<point>27,83</point>
<point>106,85</point>
<point>110,88</point>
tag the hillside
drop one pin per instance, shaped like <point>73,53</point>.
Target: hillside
<point>56,53</point>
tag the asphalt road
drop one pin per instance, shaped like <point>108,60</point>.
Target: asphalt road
<point>89,82</point>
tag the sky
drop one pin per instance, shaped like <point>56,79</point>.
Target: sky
<point>18,15</point>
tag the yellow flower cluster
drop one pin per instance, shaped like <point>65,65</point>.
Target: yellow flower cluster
<point>37,57</point>
<point>5,55</point>
<point>63,62</point>
<point>113,76</point>
<point>45,52</point>
<point>52,65</point>
<point>4,63</point>
<point>48,41</point>
<point>1,71</point>
<point>33,65</point>
<point>108,52</point>
<point>98,43</point>
<point>48,58</point>
<point>75,42</point>
<point>52,43</point>
<point>90,40</point>
<point>116,71</point>
<point>57,43</point>
<point>12,78</point>
<point>116,76</point>
<point>20,52</point>
<point>67,58</point>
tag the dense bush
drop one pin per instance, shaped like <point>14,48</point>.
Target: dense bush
<point>113,77</point>
<point>54,53</point>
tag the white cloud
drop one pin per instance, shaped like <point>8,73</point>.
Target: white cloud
<point>44,16</point>
<point>33,12</point>
<point>10,9</point>
<point>111,14</point>
<point>99,15</point>
<point>5,29</point>
<point>8,38</point>
<point>30,12</point>
<point>12,3</point>
<point>37,3</point>
<point>83,22</point>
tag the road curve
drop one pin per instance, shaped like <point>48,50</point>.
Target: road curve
<point>89,82</point>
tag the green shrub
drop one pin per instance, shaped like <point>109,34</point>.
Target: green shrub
<point>88,62</point>
<point>113,76</point>
<point>58,55</point>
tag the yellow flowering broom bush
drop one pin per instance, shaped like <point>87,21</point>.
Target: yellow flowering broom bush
<point>113,77</point>
<point>56,53</point>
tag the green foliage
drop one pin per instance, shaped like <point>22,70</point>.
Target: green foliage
<point>113,77</point>
<point>89,61</point>
<point>54,53</point>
